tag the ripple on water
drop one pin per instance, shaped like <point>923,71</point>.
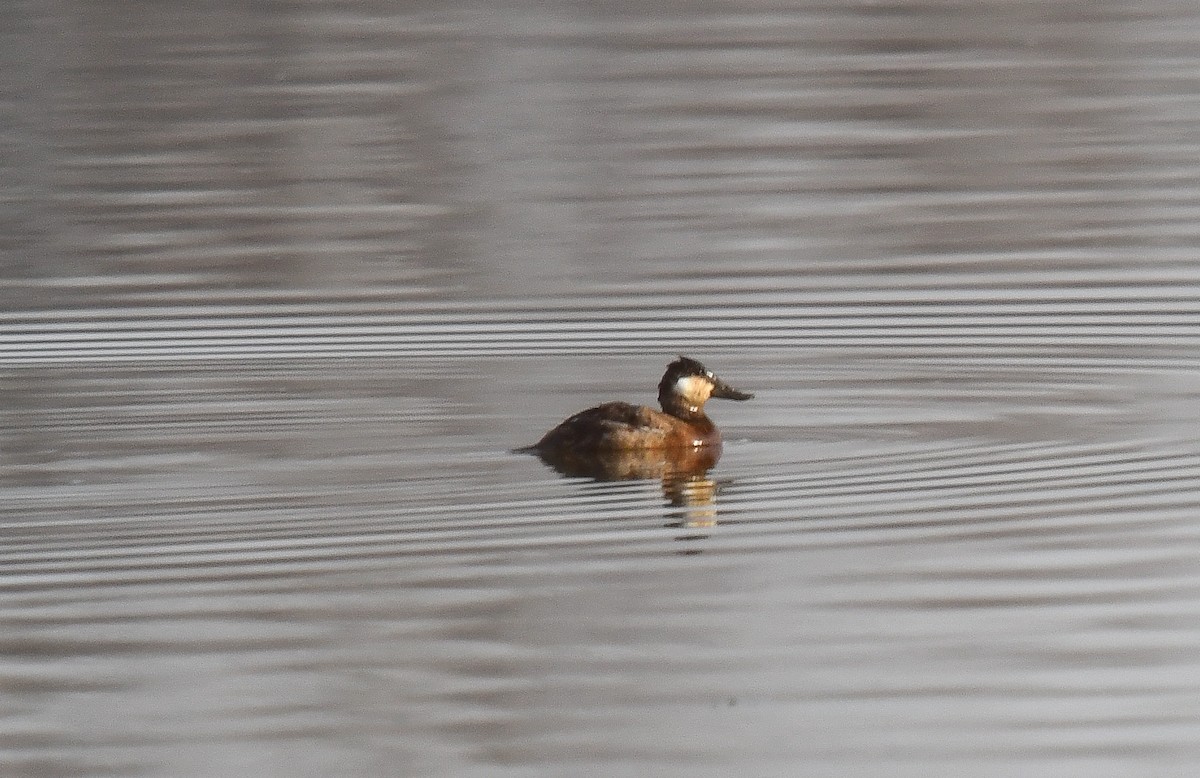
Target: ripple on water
<point>268,339</point>
<point>916,576</point>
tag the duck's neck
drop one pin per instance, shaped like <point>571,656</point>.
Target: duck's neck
<point>674,405</point>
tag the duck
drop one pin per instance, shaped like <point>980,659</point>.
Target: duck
<point>621,427</point>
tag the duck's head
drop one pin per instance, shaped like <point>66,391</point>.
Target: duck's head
<point>687,385</point>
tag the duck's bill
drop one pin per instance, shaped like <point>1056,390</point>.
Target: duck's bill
<point>727,392</point>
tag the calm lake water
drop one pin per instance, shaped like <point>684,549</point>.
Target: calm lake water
<point>285,283</point>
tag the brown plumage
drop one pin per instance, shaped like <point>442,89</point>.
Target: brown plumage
<point>619,426</point>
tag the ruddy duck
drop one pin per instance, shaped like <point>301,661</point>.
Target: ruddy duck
<point>680,426</point>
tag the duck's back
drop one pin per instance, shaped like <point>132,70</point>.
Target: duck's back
<point>613,426</point>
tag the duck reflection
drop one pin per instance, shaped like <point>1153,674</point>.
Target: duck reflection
<point>683,473</point>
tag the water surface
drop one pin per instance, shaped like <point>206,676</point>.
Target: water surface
<point>286,284</point>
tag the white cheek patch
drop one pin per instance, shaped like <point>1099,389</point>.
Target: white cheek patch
<point>691,387</point>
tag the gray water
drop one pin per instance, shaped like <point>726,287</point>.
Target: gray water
<point>285,284</point>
